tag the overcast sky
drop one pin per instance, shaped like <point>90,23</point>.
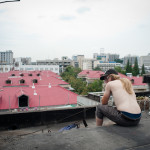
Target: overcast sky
<point>48,29</point>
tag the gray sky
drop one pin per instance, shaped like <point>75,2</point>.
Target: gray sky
<point>48,29</point>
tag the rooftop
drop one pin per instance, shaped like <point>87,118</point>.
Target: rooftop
<point>108,137</point>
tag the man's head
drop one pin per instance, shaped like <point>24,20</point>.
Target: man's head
<point>107,73</point>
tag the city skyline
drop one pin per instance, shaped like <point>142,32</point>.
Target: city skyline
<point>52,29</point>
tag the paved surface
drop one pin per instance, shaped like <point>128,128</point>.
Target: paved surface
<point>108,137</point>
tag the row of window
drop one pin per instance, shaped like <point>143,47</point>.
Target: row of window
<point>56,69</point>
<point>22,81</point>
<point>28,74</point>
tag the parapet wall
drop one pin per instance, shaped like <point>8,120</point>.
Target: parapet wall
<point>28,119</point>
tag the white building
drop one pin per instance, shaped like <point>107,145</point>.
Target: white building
<point>61,63</point>
<point>88,63</point>
<point>144,60</point>
<point>105,66</point>
<point>6,68</point>
<point>53,68</point>
<point>80,59</point>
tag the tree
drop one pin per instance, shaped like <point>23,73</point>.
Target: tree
<point>135,70</point>
<point>119,69</point>
<point>71,71</point>
<point>70,76</point>
<point>143,70</point>
<point>119,61</point>
<point>96,86</point>
<point>97,68</point>
<point>128,67</point>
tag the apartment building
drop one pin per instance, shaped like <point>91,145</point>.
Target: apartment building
<point>145,60</point>
<point>6,58</point>
<point>131,59</point>
<point>61,63</point>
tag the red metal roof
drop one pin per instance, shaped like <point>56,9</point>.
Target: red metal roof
<point>39,94</point>
<point>96,74</point>
<point>91,74</point>
<point>137,80</point>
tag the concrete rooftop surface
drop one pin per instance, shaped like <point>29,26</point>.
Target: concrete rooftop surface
<point>108,137</point>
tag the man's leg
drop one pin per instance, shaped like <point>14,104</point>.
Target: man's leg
<point>99,122</point>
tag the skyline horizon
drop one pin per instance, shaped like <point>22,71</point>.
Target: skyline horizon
<point>60,57</point>
<point>80,54</point>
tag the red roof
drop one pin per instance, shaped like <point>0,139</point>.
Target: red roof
<point>96,75</point>
<point>38,94</point>
<point>137,80</point>
<point>91,74</point>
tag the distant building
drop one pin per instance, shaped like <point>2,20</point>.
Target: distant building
<point>131,59</point>
<point>144,60</point>
<point>6,58</point>
<point>104,66</point>
<point>61,63</point>
<point>22,60</point>
<point>80,59</point>
<point>6,61</point>
<point>6,68</point>
<point>88,64</point>
<point>113,57</point>
<point>106,57</point>
<point>89,75</point>
<point>101,57</point>
<point>53,68</point>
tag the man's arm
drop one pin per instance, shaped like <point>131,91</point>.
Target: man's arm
<point>106,96</point>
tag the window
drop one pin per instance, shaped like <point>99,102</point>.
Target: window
<point>13,75</point>
<point>22,81</point>
<point>38,74</point>
<point>35,81</point>
<point>30,74</point>
<point>132,81</point>
<point>8,81</point>
<point>22,75</point>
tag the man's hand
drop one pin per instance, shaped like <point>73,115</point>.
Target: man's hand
<point>105,99</point>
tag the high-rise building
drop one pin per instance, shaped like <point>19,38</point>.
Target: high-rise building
<point>113,57</point>
<point>6,58</point>
<point>131,59</point>
<point>145,60</point>
<point>103,57</point>
<point>80,59</point>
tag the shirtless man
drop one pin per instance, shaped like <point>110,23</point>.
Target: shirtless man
<point>127,111</point>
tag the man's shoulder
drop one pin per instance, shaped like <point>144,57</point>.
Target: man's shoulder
<point>115,82</point>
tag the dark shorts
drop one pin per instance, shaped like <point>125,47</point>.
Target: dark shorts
<point>116,116</point>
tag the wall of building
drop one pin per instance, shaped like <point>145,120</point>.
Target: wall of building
<point>105,66</point>
<point>144,60</point>
<point>53,68</point>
